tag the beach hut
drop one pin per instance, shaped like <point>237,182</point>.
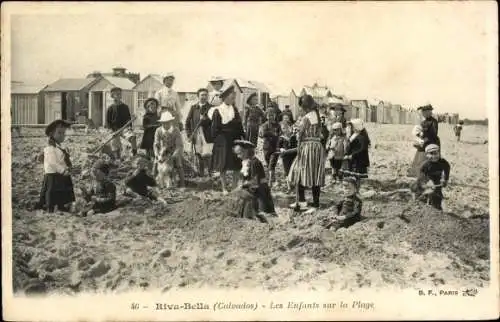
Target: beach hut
<point>187,89</point>
<point>395,114</point>
<point>381,106</point>
<point>26,104</point>
<point>362,109</point>
<point>388,113</point>
<point>147,88</point>
<point>66,98</point>
<point>100,97</point>
<point>282,101</point>
<point>294,103</point>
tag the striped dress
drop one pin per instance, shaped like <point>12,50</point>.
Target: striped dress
<point>308,168</point>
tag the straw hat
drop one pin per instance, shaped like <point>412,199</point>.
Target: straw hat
<point>166,117</point>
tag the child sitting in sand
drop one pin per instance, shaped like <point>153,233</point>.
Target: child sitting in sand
<point>253,178</point>
<point>139,182</point>
<point>335,148</point>
<point>348,211</point>
<point>101,195</point>
<point>434,174</point>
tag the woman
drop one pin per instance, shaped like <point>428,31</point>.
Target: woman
<point>308,169</point>
<point>150,124</point>
<point>226,127</point>
<point>254,117</point>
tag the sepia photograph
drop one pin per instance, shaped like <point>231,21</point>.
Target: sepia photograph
<point>303,160</point>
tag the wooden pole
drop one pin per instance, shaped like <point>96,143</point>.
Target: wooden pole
<point>118,132</point>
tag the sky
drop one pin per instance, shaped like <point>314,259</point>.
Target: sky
<point>404,53</point>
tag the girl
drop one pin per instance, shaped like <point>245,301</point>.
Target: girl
<point>288,154</point>
<point>150,124</point>
<point>141,183</point>
<point>226,127</point>
<point>420,152</point>
<point>335,149</point>
<point>357,148</point>
<point>254,117</point>
<point>253,178</point>
<point>102,193</point>
<point>168,140</point>
<point>57,189</point>
<point>348,211</point>
<point>270,132</point>
<point>308,169</point>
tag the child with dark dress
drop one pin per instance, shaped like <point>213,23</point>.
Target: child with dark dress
<point>253,177</point>
<point>325,134</point>
<point>57,188</point>
<point>270,132</point>
<point>348,211</point>
<point>288,153</point>
<point>139,182</point>
<point>357,148</point>
<point>150,124</point>
<point>101,195</point>
<point>434,175</point>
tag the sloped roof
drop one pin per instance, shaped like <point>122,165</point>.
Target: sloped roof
<point>225,83</point>
<point>156,77</point>
<point>123,83</point>
<point>363,103</point>
<point>252,84</point>
<point>25,89</point>
<point>69,84</point>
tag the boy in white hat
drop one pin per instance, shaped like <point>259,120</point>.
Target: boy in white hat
<point>168,141</point>
<point>434,174</point>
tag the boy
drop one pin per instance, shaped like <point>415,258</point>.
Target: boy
<point>168,140</point>
<point>348,211</point>
<point>140,182</point>
<point>101,195</point>
<point>270,132</point>
<point>118,115</point>
<point>434,174</point>
<point>458,130</point>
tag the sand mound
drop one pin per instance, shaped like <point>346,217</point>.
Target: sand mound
<point>195,240</point>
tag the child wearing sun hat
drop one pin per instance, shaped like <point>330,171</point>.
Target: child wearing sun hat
<point>347,211</point>
<point>57,188</point>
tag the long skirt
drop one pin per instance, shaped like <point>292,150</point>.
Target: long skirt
<point>287,160</point>
<point>418,160</point>
<point>57,190</point>
<point>308,169</point>
<point>252,134</point>
<point>223,157</point>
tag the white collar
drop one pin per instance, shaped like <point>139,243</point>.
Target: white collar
<point>226,112</point>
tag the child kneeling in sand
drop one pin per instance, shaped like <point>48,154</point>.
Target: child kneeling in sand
<point>101,195</point>
<point>348,211</point>
<point>139,182</point>
<point>253,178</point>
<point>434,175</point>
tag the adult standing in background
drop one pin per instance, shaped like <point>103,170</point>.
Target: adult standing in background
<point>169,99</point>
<point>288,112</point>
<point>429,126</point>
<point>214,96</point>
<point>254,118</point>
<point>225,129</point>
<point>198,130</point>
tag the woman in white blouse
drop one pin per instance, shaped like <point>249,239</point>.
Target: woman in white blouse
<point>57,189</point>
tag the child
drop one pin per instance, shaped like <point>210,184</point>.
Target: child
<point>288,153</point>
<point>101,195</point>
<point>118,115</point>
<point>168,141</point>
<point>434,174</point>
<point>348,211</point>
<point>270,131</point>
<point>335,149</point>
<point>140,182</point>
<point>286,126</point>
<point>57,189</point>
<point>150,124</point>
<point>357,148</point>
<point>325,134</point>
<point>458,130</point>
<point>254,177</point>
<point>419,158</point>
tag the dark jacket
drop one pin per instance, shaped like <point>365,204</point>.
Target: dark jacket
<point>270,133</point>
<point>149,124</point>
<point>117,116</point>
<point>430,131</point>
<point>358,150</point>
<point>194,116</point>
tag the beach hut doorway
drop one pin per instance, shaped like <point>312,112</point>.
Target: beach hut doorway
<point>97,106</point>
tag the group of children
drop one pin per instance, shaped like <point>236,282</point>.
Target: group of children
<point>303,146</point>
